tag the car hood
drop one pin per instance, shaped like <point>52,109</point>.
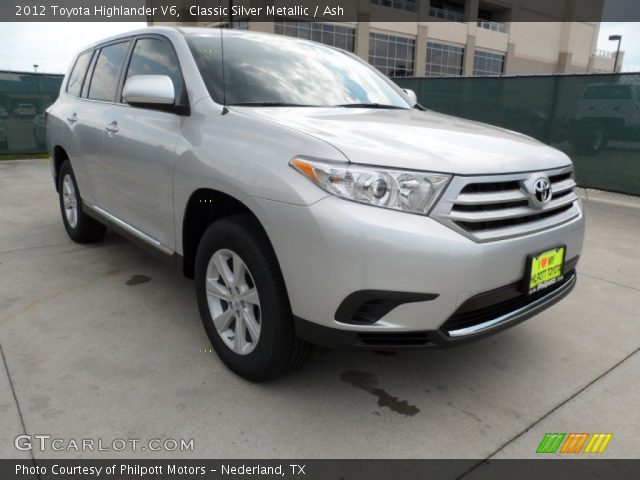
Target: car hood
<point>413,139</point>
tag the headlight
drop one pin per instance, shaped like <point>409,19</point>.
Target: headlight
<point>404,190</point>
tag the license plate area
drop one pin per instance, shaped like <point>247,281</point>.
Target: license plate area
<point>544,269</point>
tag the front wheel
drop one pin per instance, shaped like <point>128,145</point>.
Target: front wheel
<point>243,301</point>
<point>80,227</point>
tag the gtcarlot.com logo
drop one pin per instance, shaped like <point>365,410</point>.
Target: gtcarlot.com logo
<point>44,442</point>
<point>574,443</point>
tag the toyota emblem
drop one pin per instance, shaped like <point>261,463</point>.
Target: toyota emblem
<point>541,191</point>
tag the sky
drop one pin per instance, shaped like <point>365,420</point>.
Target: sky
<point>630,32</point>
<point>53,45</point>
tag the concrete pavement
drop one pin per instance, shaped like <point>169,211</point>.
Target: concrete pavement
<point>104,342</point>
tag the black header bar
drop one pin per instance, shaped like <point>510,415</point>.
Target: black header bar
<point>212,11</point>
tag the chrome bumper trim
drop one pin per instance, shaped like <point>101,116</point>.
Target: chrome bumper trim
<point>502,320</point>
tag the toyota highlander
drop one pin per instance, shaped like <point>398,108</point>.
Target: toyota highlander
<point>312,200</point>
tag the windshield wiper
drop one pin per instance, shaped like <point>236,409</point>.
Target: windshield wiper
<point>370,105</point>
<point>268,104</point>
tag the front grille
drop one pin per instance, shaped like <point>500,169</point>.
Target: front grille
<point>495,207</point>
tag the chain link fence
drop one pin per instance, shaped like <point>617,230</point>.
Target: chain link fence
<point>595,119</point>
<point>23,99</point>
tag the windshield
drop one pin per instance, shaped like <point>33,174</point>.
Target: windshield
<point>279,71</point>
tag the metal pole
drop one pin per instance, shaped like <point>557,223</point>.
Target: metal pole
<point>615,63</point>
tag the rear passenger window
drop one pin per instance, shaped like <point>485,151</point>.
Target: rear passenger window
<point>104,82</point>
<point>153,56</point>
<point>74,85</point>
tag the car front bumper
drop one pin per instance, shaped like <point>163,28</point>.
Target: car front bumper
<point>334,250</point>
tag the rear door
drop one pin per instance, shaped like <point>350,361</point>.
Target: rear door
<point>82,141</point>
<point>140,147</point>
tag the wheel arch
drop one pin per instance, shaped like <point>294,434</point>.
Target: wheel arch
<point>205,206</point>
<point>59,157</point>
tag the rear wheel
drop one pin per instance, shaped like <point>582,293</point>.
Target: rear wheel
<point>80,227</point>
<point>243,301</point>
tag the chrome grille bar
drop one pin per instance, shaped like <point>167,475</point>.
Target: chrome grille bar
<point>493,207</point>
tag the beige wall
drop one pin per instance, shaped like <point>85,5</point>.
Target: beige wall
<point>455,33</point>
<point>605,64</point>
<point>489,40</point>
<point>536,41</point>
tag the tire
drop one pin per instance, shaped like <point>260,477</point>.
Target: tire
<point>80,227</point>
<point>267,346</point>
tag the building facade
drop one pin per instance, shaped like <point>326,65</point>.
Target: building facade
<point>467,37</point>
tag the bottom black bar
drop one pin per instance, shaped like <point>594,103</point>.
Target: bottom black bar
<point>548,468</point>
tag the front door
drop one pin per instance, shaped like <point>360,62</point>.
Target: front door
<point>140,148</point>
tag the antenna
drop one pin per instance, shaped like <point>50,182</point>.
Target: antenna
<point>225,110</point>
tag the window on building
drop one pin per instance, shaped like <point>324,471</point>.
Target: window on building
<point>487,63</point>
<point>408,5</point>
<point>74,85</point>
<point>241,24</point>
<point>153,56</point>
<point>486,21</point>
<point>333,35</point>
<point>393,56</point>
<point>104,82</point>
<point>447,10</point>
<point>444,60</point>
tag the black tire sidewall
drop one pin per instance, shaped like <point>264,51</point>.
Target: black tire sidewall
<point>270,356</point>
<point>65,170</point>
<point>87,229</point>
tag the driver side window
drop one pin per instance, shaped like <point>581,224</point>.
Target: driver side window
<point>154,56</point>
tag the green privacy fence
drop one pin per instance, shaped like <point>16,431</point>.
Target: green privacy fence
<point>595,119</point>
<point>23,100</point>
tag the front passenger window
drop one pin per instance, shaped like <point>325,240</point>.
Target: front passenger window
<point>153,56</point>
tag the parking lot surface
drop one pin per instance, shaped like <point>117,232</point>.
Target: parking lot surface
<point>102,341</point>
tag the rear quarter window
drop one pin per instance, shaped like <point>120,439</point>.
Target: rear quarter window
<point>74,85</point>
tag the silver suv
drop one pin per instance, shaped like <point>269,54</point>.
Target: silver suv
<point>313,201</point>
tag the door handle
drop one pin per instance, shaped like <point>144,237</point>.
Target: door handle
<point>112,127</point>
<point>73,118</point>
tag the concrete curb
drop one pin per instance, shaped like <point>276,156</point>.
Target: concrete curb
<point>612,198</point>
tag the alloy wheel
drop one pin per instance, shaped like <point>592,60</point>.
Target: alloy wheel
<point>233,301</point>
<point>70,201</point>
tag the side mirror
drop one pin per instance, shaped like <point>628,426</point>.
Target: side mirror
<point>412,96</point>
<point>149,90</point>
